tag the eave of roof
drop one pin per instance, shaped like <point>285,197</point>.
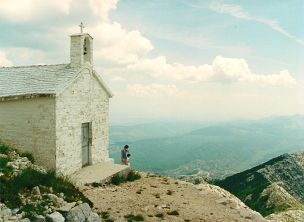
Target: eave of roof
<point>103,84</point>
<point>27,96</point>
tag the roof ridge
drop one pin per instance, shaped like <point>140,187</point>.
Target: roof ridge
<point>10,67</point>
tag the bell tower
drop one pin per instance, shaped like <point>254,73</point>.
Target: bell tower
<point>81,48</point>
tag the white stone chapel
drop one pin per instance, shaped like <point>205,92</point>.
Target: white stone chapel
<point>59,113</point>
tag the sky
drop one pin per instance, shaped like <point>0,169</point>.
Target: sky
<point>172,59</point>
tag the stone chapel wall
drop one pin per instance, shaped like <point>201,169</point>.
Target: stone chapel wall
<point>82,101</point>
<point>29,126</point>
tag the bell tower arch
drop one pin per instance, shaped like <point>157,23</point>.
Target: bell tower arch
<point>81,49</point>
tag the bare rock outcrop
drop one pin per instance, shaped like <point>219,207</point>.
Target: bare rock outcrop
<point>157,198</point>
<point>287,216</point>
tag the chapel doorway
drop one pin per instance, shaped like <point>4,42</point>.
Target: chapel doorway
<point>86,142</point>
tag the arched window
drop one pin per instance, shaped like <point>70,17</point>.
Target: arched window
<point>87,50</point>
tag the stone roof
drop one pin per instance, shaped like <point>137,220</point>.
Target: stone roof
<point>34,80</point>
<point>40,79</point>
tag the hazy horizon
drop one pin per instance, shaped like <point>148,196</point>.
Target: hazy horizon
<point>139,121</point>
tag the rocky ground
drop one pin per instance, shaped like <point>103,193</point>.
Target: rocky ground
<point>287,216</point>
<point>157,198</point>
<point>38,203</point>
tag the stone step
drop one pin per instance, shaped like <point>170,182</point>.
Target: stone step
<point>98,173</point>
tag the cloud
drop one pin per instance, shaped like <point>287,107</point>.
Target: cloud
<point>118,45</point>
<point>154,89</point>
<point>159,67</point>
<point>26,56</point>
<point>25,10</point>
<point>224,70</point>
<point>4,61</point>
<point>237,70</point>
<point>102,8</point>
<point>118,79</point>
<point>238,12</point>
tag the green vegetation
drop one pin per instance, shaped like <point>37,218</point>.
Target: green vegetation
<point>169,192</point>
<point>29,178</point>
<point>31,210</point>
<point>160,215</point>
<point>104,215</point>
<point>197,181</point>
<point>117,179</point>
<point>250,183</point>
<point>157,195</point>
<point>96,184</point>
<point>29,156</point>
<point>137,217</point>
<point>132,176</point>
<point>3,162</point>
<point>122,178</point>
<point>13,186</point>
<point>4,149</point>
<point>174,213</point>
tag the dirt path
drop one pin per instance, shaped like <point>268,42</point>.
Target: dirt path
<point>155,198</point>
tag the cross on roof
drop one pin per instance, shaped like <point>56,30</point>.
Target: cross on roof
<point>81,27</point>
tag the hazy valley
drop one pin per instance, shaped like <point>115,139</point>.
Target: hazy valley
<point>207,149</point>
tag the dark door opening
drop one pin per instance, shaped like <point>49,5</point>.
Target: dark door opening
<point>85,144</point>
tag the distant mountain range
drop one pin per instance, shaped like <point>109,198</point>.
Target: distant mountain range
<point>206,149</point>
<point>272,187</point>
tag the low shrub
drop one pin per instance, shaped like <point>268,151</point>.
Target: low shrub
<point>104,215</point>
<point>28,155</point>
<point>160,215</point>
<point>137,217</point>
<point>174,213</point>
<point>31,210</point>
<point>3,162</point>
<point>117,179</point>
<point>169,192</point>
<point>132,175</point>
<point>157,195</point>
<point>197,181</point>
<point>96,184</point>
<point>4,149</point>
<point>30,178</point>
<point>120,178</point>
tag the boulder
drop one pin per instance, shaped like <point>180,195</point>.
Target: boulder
<point>56,200</point>
<point>15,211</point>
<point>52,197</point>
<point>80,213</point>
<point>36,191</point>
<point>67,207</point>
<point>25,220</point>
<point>93,217</point>
<point>6,212</point>
<point>39,218</point>
<point>86,209</point>
<point>75,215</point>
<point>55,217</point>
